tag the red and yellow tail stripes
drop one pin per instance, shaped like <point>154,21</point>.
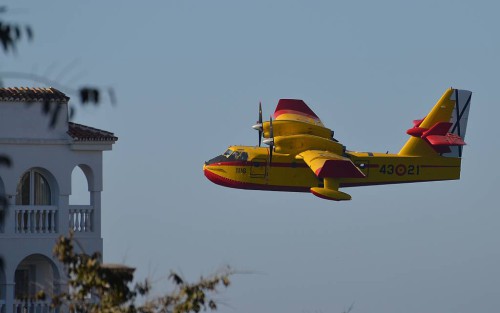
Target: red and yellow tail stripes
<point>442,131</point>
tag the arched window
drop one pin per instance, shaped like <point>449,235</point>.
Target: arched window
<point>33,189</point>
<point>80,194</point>
<point>35,273</point>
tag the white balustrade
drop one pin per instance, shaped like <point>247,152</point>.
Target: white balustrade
<point>35,219</point>
<point>81,218</point>
<point>33,306</point>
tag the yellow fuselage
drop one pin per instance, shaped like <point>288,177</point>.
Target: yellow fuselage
<point>250,170</point>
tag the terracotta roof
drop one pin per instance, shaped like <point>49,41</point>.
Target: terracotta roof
<point>118,267</point>
<point>86,133</point>
<point>25,94</point>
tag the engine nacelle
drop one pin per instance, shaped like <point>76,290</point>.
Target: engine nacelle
<point>287,128</point>
<point>296,144</point>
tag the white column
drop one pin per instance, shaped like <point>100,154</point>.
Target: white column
<point>63,215</point>
<point>9,296</point>
<point>95,201</point>
<point>10,219</point>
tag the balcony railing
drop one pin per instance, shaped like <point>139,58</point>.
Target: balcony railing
<point>33,307</point>
<point>35,219</point>
<point>48,219</point>
<point>81,218</point>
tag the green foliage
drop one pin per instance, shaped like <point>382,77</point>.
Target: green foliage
<point>95,287</point>
<point>12,33</point>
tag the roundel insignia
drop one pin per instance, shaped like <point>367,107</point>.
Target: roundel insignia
<point>400,170</point>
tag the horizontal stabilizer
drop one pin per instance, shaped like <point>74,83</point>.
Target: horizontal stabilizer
<point>442,131</point>
<point>437,136</point>
<point>416,131</point>
<point>440,128</point>
<point>417,123</point>
<point>447,140</point>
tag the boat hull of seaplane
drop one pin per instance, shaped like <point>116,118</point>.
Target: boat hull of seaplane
<point>287,173</point>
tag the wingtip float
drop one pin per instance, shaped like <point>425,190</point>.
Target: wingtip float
<point>303,155</point>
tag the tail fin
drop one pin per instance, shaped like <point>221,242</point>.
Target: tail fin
<point>442,131</point>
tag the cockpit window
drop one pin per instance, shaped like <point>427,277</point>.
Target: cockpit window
<point>229,156</point>
<point>239,156</point>
<point>243,156</point>
<point>235,155</point>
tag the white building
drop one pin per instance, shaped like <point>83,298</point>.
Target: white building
<point>37,186</point>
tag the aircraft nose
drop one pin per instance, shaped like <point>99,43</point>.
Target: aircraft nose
<point>207,165</point>
<point>216,159</point>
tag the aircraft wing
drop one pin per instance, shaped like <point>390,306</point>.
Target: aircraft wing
<point>296,110</point>
<point>326,164</point>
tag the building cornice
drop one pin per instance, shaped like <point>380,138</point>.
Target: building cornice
<point>74,145</point>
<point>35,141</point>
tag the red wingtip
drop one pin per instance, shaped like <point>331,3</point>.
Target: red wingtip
<point>293,106</point>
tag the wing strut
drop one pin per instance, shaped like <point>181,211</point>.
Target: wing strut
<point>332,168</point>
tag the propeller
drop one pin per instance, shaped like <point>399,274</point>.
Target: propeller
<point>270,141</point>
<point>259,126</point>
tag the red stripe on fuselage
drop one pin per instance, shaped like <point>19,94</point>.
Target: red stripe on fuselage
<point>249,163</point>
<point>360,184</point>
<point>226,182</point>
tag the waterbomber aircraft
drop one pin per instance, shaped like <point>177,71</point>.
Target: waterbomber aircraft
<point>303,155</point>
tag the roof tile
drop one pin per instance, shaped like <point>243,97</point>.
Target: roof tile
<point>81,132</point>
<point>26,94</point>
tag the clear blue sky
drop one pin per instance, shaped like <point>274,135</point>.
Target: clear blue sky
<point>189,76</point>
